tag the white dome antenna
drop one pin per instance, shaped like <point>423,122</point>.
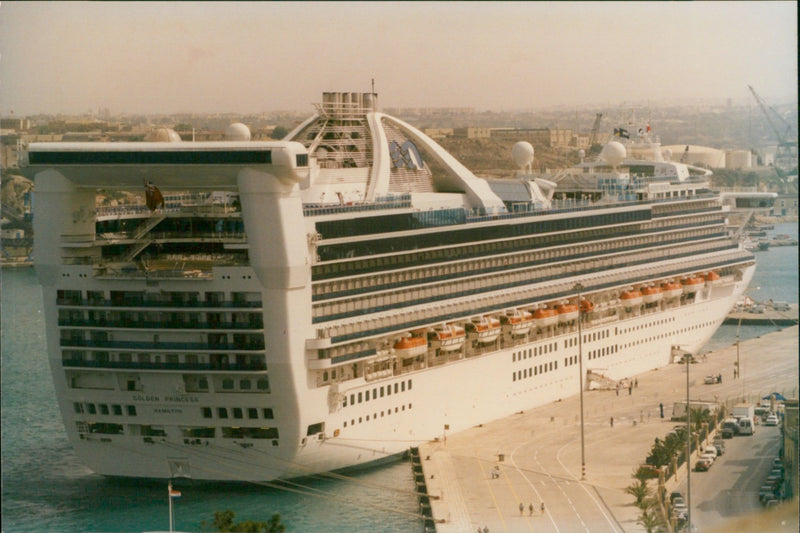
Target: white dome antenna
<point>522,153</point>
<point>613,153</point>
<point>237,132</point>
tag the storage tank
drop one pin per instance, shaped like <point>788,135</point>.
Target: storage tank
<point>698,155</point>
<point>736,159</point>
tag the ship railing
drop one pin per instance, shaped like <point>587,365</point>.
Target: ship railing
<point>382,202</point>
<point>147,303</point>
<point>221,367</point>
<point>228,236</point>
<point>156,346</point>
<point>445,312</point>
<point>170,207</point>
<point>502,282</point>
<point>255,325</point>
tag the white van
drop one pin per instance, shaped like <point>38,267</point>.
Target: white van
<point>745,426</point>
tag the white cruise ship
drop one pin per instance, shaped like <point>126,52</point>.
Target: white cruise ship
<point>305,305</point>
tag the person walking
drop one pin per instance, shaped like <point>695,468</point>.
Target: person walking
<point>521,509</point>
<point>530,510</point>
<point>612,421</point>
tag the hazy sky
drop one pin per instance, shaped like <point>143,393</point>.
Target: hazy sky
<point>252,57</point>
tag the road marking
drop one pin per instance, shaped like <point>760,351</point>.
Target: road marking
<point>491,492</point>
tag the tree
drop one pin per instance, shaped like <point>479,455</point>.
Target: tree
<point>279,132</point>
<point>640,491</point>
<point>649,520</point>
<point>223,522</point>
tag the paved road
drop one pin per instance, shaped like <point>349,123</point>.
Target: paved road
<point>541,448</point>
<point>730,488</point>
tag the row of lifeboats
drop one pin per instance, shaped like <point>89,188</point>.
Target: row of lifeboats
<point>518,322</point>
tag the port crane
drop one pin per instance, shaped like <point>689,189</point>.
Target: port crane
<point>786,154</point>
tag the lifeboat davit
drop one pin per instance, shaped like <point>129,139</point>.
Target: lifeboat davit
<point>586,306</point>
<point>692,285</point>
<point>712,278</point>
<point>631,298</point>
<point>410,346</point>
<point>518,321</point>
<point>671,290</point>
<point>448,337</point>
<point>485,329</point>
<point>545,317</point>
<point>567,312</point>
<point>652,294</point>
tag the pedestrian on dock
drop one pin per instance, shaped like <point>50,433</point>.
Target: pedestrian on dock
<point>617,389</point>
<point>542,507</point>
<point>521,509</point>
<point>530,509</point>
<point>630,389</point>
<point>636,383</point>
<point>661,408</point>
<point>612,421</point>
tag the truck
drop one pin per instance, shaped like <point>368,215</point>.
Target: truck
<point>744,410</point>
<point>745,413</point>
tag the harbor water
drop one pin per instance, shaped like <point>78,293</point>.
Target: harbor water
<point>46,488</point>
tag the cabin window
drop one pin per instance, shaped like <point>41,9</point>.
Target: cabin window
<point>252,412</point>
<point>103,409</point>
<point>268,413</point>
<point>131,410</point>
<point>237,412</point>
<point>206,412</point>
<point>117,409</point>
<point>222,412</point>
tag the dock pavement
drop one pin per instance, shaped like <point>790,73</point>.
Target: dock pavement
<point>537,453</point>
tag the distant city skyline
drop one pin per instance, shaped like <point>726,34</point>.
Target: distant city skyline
<point>181,57</point>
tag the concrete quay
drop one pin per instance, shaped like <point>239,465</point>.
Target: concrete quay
<point>538,452</point>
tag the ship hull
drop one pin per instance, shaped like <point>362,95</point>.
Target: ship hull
<point>428,404</point>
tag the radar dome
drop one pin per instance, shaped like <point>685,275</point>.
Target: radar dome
<point>522,152</point>
<point>668,154</point>
<point>613,153</point>
<point>581,153</point>
<point>237,132</point>
<point>162,135</point>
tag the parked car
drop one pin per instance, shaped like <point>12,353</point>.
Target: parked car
<point>727,433</point>
<point>772,420</point>
<point>711,450</point>
<point>720,447</point>
<point>710,457</point>
<point>702,465</point>
<point>675,494</point>
<point>710,380</point>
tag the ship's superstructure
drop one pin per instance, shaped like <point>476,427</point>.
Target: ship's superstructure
<point>333,298</point>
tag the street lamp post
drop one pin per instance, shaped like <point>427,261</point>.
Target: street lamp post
<point>687,360</point>
<point>578,288</point>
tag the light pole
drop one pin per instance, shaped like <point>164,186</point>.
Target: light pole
<point>687,361</point>
<point>578,288</point>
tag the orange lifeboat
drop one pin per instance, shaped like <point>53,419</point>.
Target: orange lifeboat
<point>712,278</point>
<point>518,321</point>
<point>587,306</point>
<point>652,294</point>
<point>567,312</point>
<point>485,329</point>
<point>447,337</point>
<point>410,346</point>
<point>692,285</point>
<point>631,298</point>
<point>545,317</point>
<point>671,290</point>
